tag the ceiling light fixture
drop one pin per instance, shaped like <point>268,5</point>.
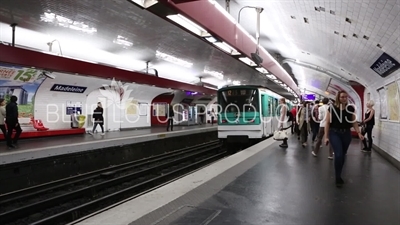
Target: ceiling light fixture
<point>120,40</point>
<point>262,70</point>
<point>272,77</point>
<point>173,59</point>
<point>247,61</point>
<point>189,25</point>
<point>62,21</point>
<point>144,3</point>
<point>215,74</point>
<point>226,48</point>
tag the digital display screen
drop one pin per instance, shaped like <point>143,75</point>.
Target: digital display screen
<point>238,92</point>
<point>308,97</point>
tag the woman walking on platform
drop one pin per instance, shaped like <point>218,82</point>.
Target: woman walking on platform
<point>369,122</point>
<point>98,118</point>
<point>339,119</point>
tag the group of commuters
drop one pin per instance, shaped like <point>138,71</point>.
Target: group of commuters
<point>9,121</point>
<point>331,123</point>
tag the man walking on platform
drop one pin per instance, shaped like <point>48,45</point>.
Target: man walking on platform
<point>12,122</point>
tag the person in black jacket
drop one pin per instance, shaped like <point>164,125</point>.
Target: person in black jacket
<point>12,122</point>
<point>98,118</point>
<point>170,117</point>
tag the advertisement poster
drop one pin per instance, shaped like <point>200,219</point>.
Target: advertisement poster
<point>23,83</point>
<point>393,101</point>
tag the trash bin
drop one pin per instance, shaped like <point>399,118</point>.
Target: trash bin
<point>81,120</point>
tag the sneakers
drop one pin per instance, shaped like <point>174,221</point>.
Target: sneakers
<point>102,134</point>
<point>313,153</point>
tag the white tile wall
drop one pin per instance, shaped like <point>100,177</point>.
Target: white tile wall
<point>50,106</point>
<point>386,134</point>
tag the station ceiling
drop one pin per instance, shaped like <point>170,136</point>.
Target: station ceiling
<point>323,40</point>
<point>315,41</point>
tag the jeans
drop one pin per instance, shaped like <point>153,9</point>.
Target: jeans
<point>368,131</point>
<point>315,130</point>
<point>340,141</point>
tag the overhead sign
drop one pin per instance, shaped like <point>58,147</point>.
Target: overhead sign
<point>385,65</point>
<point>68,88</point>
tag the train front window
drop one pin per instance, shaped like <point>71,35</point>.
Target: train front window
<point>239,100</point>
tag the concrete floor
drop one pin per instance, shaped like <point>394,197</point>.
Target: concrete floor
<point>290,186</point>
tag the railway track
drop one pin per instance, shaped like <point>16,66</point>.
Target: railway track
<point>69,199</point>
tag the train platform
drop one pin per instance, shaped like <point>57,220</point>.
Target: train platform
<point>30,149</point>
<point>266,184</point>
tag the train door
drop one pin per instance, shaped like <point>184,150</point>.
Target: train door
<point>270,115</point>
<point>264,113</point>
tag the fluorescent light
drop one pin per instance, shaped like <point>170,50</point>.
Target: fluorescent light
<point>188,24</point>
<point>122,41</point>
<point>262,70</point>
<point>145,3</point>
<point>236,82</point>
<point>247,61</point>
<point>278,81</point>
<point>62,21</point>
<point>89,61</point>
<point>215,74</point>
<point>211,39</point>
<point>226,48</point>
<point>272,77</point>
<point>173,59</point>
<point>213,88</point>
<point>283,85</point>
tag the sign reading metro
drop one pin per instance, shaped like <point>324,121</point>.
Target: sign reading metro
<point>68,88</point>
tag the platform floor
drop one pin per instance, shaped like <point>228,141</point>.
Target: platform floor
<point>271,186</point>
<point>91,141</point>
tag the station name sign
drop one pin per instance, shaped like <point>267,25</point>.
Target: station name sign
<point>68,88</point>
<point>385,65</point>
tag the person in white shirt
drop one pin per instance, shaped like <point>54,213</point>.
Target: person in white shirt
<point>322,118</point>
<point>283,119</point>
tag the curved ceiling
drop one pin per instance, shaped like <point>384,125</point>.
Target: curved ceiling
<point>342,38</point>
<point>120,34</point>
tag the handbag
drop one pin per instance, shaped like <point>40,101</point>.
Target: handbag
<point>280,135</point>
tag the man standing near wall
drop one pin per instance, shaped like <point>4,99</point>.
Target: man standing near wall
<point>12,122</point>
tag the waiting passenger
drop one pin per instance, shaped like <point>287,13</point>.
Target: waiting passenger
<point>212,114</point>
<point>201,114</point>
<point>2,117</point>
<point>12,122</point>
<point>322,111</point>
<point>369,122</point>
<point>303,117</point>
<point>339,119</point>
<point>314,121</point>
<point>294,124</point>
<point>98,118</point>
<point>282,119</point>
<point>170,115</point>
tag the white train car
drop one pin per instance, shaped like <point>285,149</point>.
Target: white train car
<point>247,114</point>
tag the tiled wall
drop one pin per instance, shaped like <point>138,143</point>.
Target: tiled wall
<point>386,134</point>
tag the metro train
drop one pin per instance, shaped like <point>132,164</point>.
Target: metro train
<point>247,114</point>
